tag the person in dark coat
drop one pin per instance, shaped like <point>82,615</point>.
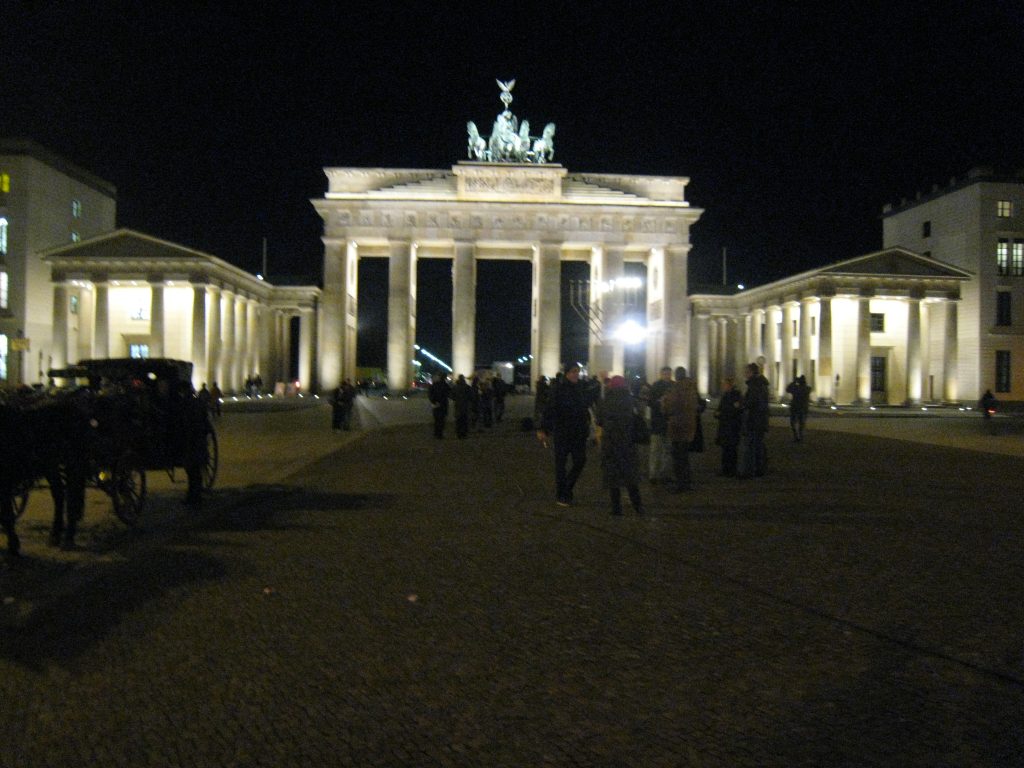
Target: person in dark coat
<point>754,460</point>
<point>730,424</point>
<point>439,394</point>
<point>337,408</point>
<point>799,404</point>
<point>486,398</point>
<point>462,396</point>
<point>620,464</point>
<point>348,401</point>
<point>681,406</point>
<point>659,463</point>
<point>500,390</point>
<point>567,422</point>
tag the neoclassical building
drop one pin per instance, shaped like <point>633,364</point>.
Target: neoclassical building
<point>124,294</point>
<point>539,213</point>
<point>880,328</point>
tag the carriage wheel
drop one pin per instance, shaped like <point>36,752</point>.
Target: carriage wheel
<point>212,458</point>
<point>127,489</point>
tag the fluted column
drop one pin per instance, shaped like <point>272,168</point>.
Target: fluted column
<point>401,314</point>
<point>741,356</point>
<point>607,269</point>
<point>546,320</point>
<point>702,334</point>
<point>200,369</point>
<point>305,347</point>
<point>864,349</point>
<point>101,340</point>
<point>824,384</point>
<point>677,314</point>
<point>464,308</point>
<point>786,347</point>
<point>243,370</point>
<point>771,347</point>
<point>914,380</point>
<point>60,325</point>
<point>156,319</point>
<point>950,391</point>
<point>214,371</point>
<point>804,356</point>
<point>228,353</point>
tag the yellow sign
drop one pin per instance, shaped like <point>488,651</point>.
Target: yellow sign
<point>20,345</point>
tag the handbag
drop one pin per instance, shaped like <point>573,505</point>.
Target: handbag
<point>641,432</point>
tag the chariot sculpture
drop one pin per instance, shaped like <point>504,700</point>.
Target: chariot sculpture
<point>510,141</point>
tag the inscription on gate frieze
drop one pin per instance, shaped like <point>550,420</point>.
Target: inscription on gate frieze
<point>510,185</point>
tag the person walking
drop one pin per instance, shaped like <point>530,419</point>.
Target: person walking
<point>462,396</point>
<point>567,422</point>
<point>799,405</point>
<point>660,451</point>
<point>215,399</point>
<point>348,401</point>
<point>680,406</point>
<point>620,463</point>
<point>337,408</point>
<point>754,458</point>
<point>439,394</point>
<point>729,415</point>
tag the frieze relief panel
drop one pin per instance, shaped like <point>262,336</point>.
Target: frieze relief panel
<point>445,220</point>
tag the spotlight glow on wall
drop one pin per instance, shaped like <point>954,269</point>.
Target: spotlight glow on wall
<point>631,332</point>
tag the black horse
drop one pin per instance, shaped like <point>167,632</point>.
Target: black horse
<point>51,437</point>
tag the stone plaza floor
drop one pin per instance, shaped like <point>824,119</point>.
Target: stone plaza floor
<point>382,598</point>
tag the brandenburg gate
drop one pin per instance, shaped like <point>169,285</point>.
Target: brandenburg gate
<point>509,200</point>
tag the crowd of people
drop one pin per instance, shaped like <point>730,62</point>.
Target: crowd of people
<point>479,403</point>
<point>666,415</point>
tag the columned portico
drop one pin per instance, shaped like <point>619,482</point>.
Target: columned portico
<point>480,210</point>
<point>846,357</point>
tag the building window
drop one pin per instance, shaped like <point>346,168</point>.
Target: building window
<point>3,357</point>
<point>73,305</point>
<point>1017,259</point>
<point>926,229</point>
<point>76,209</point>
<point>138,350</point>
<point>3,236</point>
<point>5,297</point>
<point>75,237</point>
<point>1004,209</point>
<point>877,322</point>
<point>1002,370</point>
<point>1004,308</point>
<point>5,183</point>
<point>1003,256</point>
<point>878,374</point>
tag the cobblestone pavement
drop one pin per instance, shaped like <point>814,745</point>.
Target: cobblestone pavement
<point>401,601</point>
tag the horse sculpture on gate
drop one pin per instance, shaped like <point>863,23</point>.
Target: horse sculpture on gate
<point>510,140</point>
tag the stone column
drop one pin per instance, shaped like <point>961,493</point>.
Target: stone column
<point>771,346</point>
<point>805,341</point>
<point>702,341</point>
<point>546,323</point>
<point>243,369</point>
<point>677,314</point>
<point>305,347</point>
<point>741,356</point>
<point>156,319</point>
<point>401,314</point>
<point>823,385</point>
<point>607,269</point>
<point>464,309</point>
<point>950,391</point>
<point>914,380</point>
<point>214,370</point>
<point>864,350</point>
<point>60,325</point>
<point>337,312</point>
<point>786,347</point>
<point>200,369</point>
<point>287,374</point>
<point>101,340</point>
<point>229,355</point>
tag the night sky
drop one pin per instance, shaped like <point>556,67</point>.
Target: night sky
<point>795,126</point>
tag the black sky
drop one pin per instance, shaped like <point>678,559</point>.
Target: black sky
<point>795,123</point>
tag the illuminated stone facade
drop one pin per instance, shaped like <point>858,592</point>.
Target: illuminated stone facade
<point>880,328</point>
<point>534,212</point>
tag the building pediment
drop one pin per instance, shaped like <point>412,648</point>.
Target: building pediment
<point>894,262</point>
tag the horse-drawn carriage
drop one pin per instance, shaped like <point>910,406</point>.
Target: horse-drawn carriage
<point>104,424</point>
